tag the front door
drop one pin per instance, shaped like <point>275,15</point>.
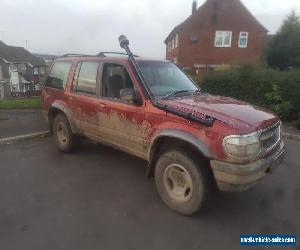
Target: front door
<point>121,123</point>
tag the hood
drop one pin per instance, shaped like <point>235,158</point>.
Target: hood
<point>237,114</point>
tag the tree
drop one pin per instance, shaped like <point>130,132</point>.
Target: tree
<point>284,49</point>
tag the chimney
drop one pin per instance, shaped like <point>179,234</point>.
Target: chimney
<point>194,7</point>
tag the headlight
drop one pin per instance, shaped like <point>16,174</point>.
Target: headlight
<point>242,147</point>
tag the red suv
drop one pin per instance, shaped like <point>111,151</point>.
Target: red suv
<point>192,141</point>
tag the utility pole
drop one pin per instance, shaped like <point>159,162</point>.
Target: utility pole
<point>26,42</point>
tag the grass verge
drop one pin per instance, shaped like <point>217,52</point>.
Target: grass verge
<point>24,103</point>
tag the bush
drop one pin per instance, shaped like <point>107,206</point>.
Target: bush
<point>298,122</point>
<point>283,50</point>
<point>273,89</point>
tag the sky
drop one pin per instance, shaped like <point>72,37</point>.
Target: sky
<point>90,26</point>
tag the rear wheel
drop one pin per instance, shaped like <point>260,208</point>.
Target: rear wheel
<point>63,133</point>
<point>182,181</point>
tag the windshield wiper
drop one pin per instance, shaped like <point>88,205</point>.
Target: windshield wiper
<point>199,92</point>
<point>174,93</point>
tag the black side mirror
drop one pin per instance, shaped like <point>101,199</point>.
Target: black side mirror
<point>131,95</point>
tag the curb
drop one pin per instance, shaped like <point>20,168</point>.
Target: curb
<point>291,136</point>
<point>10,140</point>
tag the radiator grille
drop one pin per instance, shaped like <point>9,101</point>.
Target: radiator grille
<point>270,138</point>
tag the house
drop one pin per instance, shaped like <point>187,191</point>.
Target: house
<point>18,67</point>
<point>219,32</point>
<point>4,89</point>
<point>49,59</point>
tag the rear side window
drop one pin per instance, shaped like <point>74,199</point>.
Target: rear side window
<point>59,75</point>
<point>85,80</point>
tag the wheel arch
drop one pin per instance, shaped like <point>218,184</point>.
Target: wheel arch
<point>179,137</point>
<point>57,108</point>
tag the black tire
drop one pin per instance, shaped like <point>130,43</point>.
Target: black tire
<point>179,162</point>
<point>63,135</point>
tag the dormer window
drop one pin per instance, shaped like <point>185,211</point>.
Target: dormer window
<point>223,39</point>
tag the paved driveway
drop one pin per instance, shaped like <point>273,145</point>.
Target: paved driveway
<point>100,198</point>
<point>21,122</point>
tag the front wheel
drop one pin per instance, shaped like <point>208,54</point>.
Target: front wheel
<point>182,181</point>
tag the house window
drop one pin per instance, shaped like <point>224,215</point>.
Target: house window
<point>243,39</point>
<point>35,70</point>
<point>223,39</point>
<point>13,68</point>
<point>176,41</point>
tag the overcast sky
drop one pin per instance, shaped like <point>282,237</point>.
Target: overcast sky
<point>90,26</point>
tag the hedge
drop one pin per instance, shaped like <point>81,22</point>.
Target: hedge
<point>259,85</point>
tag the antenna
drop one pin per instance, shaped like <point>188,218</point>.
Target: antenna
<point>26,44</point>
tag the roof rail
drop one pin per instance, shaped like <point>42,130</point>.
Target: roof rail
<point>72,55</point>
<point>113,53</point>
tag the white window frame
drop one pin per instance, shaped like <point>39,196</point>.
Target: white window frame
<point>247,37</point>
<point>36,70</point>
<point>223,33</point>
<point>176,41</point>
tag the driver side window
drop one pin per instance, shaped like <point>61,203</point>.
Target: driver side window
<point>115,78</point>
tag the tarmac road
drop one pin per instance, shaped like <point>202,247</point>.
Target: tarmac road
<point>21,122</point>
<point>100,198</point>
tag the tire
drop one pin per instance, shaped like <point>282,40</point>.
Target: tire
<point>63,135</point>
<point>184,184</point>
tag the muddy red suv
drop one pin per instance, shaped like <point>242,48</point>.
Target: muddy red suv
<point>192,141</point>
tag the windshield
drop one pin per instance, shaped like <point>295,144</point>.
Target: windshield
<point>164,78</point>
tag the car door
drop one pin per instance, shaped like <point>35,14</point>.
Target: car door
<point>84,98</point>
<point>121,123</point>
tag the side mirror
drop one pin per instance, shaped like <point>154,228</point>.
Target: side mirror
<point>131,95</point>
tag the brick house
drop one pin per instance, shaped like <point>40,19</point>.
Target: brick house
<point>219,32</point>
<point>18,67</point>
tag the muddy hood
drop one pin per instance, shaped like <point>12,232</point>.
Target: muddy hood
<point>238,114</point>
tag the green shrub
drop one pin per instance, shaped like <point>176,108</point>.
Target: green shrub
<point>275,101</point>
<point>259,85</point>
<point>297,123</point>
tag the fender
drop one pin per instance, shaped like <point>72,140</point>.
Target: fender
<point>59,105</point>
<point>176,134</point>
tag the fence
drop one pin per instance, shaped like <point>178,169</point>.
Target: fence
<point>27,89</point>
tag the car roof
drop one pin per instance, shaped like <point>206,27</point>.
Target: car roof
<point>106,58</point>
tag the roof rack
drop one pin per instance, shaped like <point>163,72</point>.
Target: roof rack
<point>113,53</point>
<point>72,55</point>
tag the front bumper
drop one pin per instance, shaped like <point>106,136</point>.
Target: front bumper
<point>237,178</point>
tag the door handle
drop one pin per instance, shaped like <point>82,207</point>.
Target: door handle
<point>102,105</point>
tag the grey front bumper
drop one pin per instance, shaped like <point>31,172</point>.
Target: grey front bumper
<point>236,178</point>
